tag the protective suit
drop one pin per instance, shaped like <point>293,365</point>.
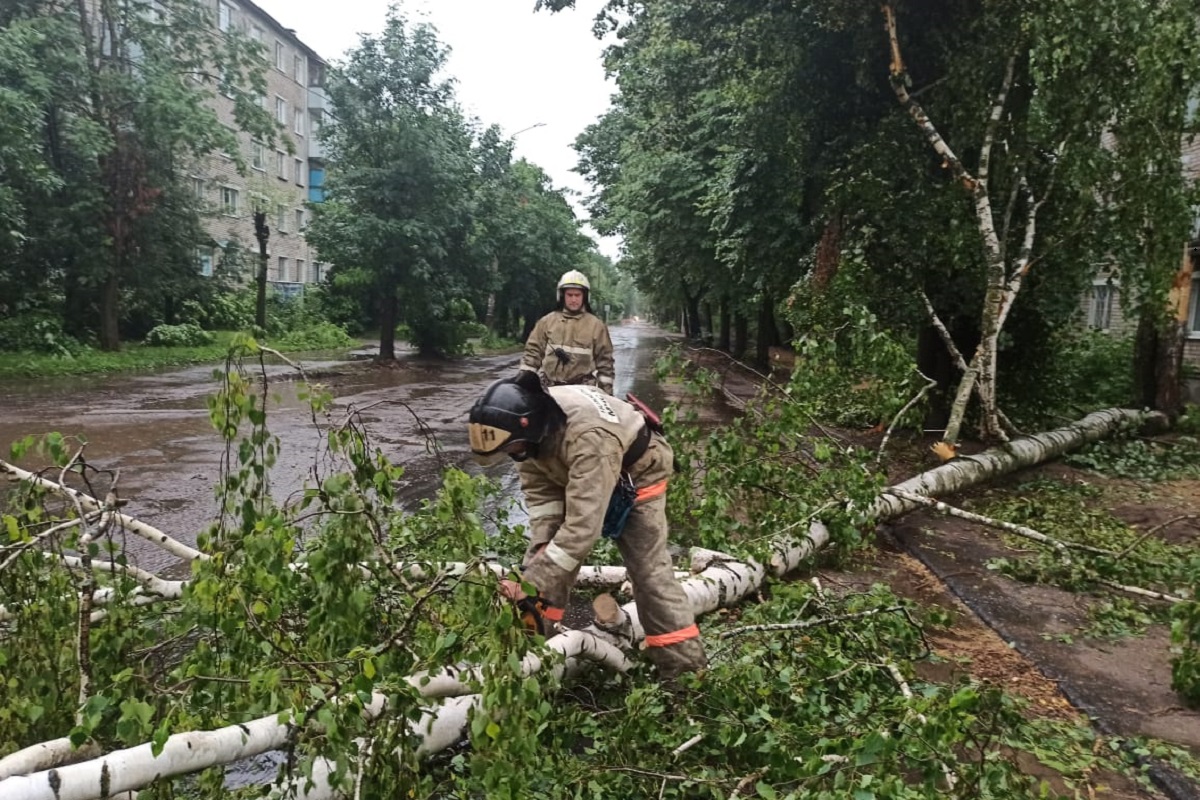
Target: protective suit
<point>568,483</point>
<point>570,348</point>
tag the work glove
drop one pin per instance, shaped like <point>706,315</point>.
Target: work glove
<point>536,615</point>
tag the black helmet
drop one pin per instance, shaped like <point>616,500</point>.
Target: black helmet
<point>510,410</point>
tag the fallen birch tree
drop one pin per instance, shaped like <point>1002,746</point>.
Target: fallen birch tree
<point>717,580</point>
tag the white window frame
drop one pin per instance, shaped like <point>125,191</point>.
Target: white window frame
<point>281,269</point>
<point>199,188</point>
<point>280,110</point>
<point>281,218</point>
<point>300,276</point>
<point>206,262</point>
<point>281,164</point>
<point>300,226</point>
<point>280,57</point>
<point>299,176</point>
<point>258,156</point>
<point>299,72</point>
<point>230,201</point>
<point>1193,322</point>
<point>1103,291</point>
<point>225,12</point>
<point>298,121</point>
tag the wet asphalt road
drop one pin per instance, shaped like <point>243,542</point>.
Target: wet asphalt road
<point>155,428</point>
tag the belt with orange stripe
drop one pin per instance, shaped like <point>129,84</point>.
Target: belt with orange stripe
<point>652,491</point>
<point>674,637</point>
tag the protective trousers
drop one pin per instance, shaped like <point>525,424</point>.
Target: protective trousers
<point>672,638</point>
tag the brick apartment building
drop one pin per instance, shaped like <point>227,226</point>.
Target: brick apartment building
<point>277,181</point>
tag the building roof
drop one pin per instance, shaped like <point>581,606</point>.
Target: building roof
<point>281,30</point>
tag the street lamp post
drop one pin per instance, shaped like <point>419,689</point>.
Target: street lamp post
<point>531,127</point>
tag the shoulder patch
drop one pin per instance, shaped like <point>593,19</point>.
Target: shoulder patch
<point>600,401</point>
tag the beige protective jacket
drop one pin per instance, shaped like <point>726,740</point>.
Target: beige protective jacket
<point>571,348</point>
<point>568,486</point>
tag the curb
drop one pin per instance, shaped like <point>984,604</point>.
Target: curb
<point>1167,779</point>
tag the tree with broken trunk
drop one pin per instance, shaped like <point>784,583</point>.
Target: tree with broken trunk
<point>1062,104</point>
<point>357,640</point>
<point>969,155</point>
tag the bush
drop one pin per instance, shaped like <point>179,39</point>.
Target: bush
<point>1078,370</point>
<point>186,335</point>
<point>38,333</point>
<point>223,311</point>
<point>1185,648</point>
<point>322,336</point>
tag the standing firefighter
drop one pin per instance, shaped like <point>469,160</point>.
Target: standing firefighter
<point>571,345</point>
<point>590,464</point>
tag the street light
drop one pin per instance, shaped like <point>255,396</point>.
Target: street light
<point>531,127</point>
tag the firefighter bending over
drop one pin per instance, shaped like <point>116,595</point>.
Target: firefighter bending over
<point>590,464</point>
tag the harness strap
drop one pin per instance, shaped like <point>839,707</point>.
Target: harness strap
<point>637,449</point>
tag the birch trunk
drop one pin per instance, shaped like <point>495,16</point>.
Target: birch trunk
<point>1002,287</point>
<point>721,580</point>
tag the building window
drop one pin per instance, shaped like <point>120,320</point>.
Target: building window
<point>198,188</point>
<point>280,57</point>
<point>280,110</point>
<point>316,272</point>
<point>298,69</point>
<point>281,218</point>
<point>283,266</point>
<point>204,258</point>
<point>299,220</point>
<point>229,201</point>
<point>281,164</point>
<point>1100,307</point>
<point>1194,308</point>
<point>224,15</point>
<point>298,121</point>
<point>258,155</point>
<point>300,171</point>
<point>256,33</point>
<point>300,276</point>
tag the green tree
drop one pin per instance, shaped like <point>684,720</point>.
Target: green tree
<point>752,148</point>
<point>401,183</point>
<point>117,132</point>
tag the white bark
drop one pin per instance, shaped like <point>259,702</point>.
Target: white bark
<point>154,588</point>
<point>722,581</point>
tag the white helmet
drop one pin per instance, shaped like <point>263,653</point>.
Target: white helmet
<point>573,280</point>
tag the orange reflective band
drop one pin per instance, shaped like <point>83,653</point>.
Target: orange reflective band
<point>674,637</point>
<point>652,491</point>
<point>553,614</point>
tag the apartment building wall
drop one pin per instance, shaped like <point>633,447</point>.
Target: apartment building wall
<point>276,177</point>
<point>1101,306</point>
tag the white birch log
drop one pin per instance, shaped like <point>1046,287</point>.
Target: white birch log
<point>723,581</point>
<point>44,756</point>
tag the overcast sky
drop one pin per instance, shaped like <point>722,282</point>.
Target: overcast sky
<point>514,68</point>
